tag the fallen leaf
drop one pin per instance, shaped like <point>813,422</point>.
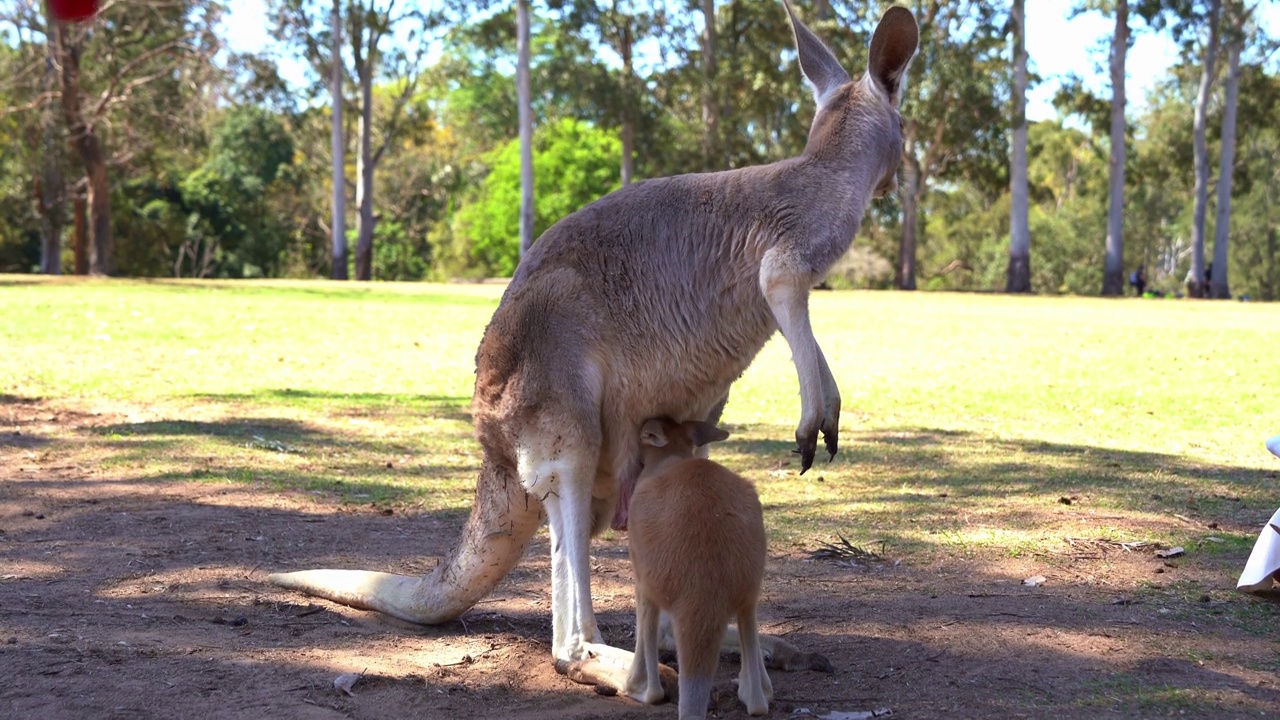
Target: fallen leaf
<point>1034,580</point>
<point>344,683</point>
<point>1170,553</point>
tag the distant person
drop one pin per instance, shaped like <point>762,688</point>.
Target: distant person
<point>1138,279</point>
<point>1191,277</point>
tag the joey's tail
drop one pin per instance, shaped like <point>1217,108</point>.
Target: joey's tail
<point>503,518</point>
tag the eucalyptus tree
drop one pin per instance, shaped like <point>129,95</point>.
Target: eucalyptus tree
<point>1237,16</point>
<point>953,108</point>
<point>525,113</point>
<point>622,24</point>
<point>1113,265</point>
<point>1196,283</point>
<point>130,67</point>
<point>1019,274</point>
<point>386,42</point>
<point>710,95</point>
<point>337,148</point>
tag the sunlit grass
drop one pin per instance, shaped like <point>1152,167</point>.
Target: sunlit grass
<point>981,426</point>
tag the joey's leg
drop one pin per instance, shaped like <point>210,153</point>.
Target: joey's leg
<point>754,689</point>
<point>786,288</point>
<point>643,682</point>
<point>778,653</point>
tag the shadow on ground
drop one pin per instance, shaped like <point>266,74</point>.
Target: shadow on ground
<point>139,591</point>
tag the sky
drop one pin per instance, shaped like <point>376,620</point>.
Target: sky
<point>1058,46</point>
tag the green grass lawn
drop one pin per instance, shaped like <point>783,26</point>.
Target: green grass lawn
<point>967,418</point>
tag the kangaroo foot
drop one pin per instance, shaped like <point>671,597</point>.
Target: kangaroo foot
<point>607,668</point>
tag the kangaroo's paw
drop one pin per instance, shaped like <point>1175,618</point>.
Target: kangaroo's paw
<point>808,447</point>
<point>799,661</point>
<point>782,655</point>
<point>831,432</point>
<point>608,667</point>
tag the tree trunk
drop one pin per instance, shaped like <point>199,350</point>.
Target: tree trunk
<point>524,100</point>
<point>1113,269</point>
<point>337,145</point>
<point>1019,274</point>
<point>80,237</point>
<point>905,272</point>
<point>364,172</point>
<point>710,108</point>
<point>50,193</point>
<point>92,157</point>
<point>628,101</point>
<point>1219,286</point>
<point>1196,286</point>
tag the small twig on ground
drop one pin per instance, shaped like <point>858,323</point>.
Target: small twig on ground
<point>847,554</point>
<point>1103,544</point>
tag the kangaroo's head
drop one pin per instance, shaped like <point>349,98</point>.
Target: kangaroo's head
<point>858,122</point>
<point>664,441</point>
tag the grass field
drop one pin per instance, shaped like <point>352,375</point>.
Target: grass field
<point>985,428</point>
<point>1148,407</point>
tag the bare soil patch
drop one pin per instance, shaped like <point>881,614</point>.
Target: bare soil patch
<point>126,597</point>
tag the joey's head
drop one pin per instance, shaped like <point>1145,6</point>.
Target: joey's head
<point>664,442</point>
<point>857,122</point>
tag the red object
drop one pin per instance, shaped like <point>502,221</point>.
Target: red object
<point>73,10</point>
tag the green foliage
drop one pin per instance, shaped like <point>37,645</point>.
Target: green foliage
<point>201,187</point>
<point>227,194</point>
<point>573,163</point>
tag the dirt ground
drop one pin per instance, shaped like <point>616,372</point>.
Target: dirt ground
<point>128,598</point>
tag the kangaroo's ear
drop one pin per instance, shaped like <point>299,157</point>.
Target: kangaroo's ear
<point>702,433</point>
<point>653,434</point>
<point>892,47</point>
<point>819,66</point>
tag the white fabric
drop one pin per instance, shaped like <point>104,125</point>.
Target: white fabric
<point>1264,561</point>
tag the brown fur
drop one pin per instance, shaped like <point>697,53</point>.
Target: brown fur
<point>698,551</point>
<point>649,302</point>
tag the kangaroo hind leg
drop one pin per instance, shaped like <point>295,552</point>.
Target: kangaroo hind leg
<point>557,466</point>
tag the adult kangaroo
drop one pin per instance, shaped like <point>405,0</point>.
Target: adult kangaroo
<point>648,303</point>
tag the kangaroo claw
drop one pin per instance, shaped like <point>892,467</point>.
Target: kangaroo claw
<point>806,451</point>
<point>831,432</point>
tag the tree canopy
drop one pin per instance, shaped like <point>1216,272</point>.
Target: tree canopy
<point>216,167</point>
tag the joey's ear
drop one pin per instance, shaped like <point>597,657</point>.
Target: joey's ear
<point>819,66</point>
<point>702,433</point>
<point>892,47</point>
<point>652,434</point>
